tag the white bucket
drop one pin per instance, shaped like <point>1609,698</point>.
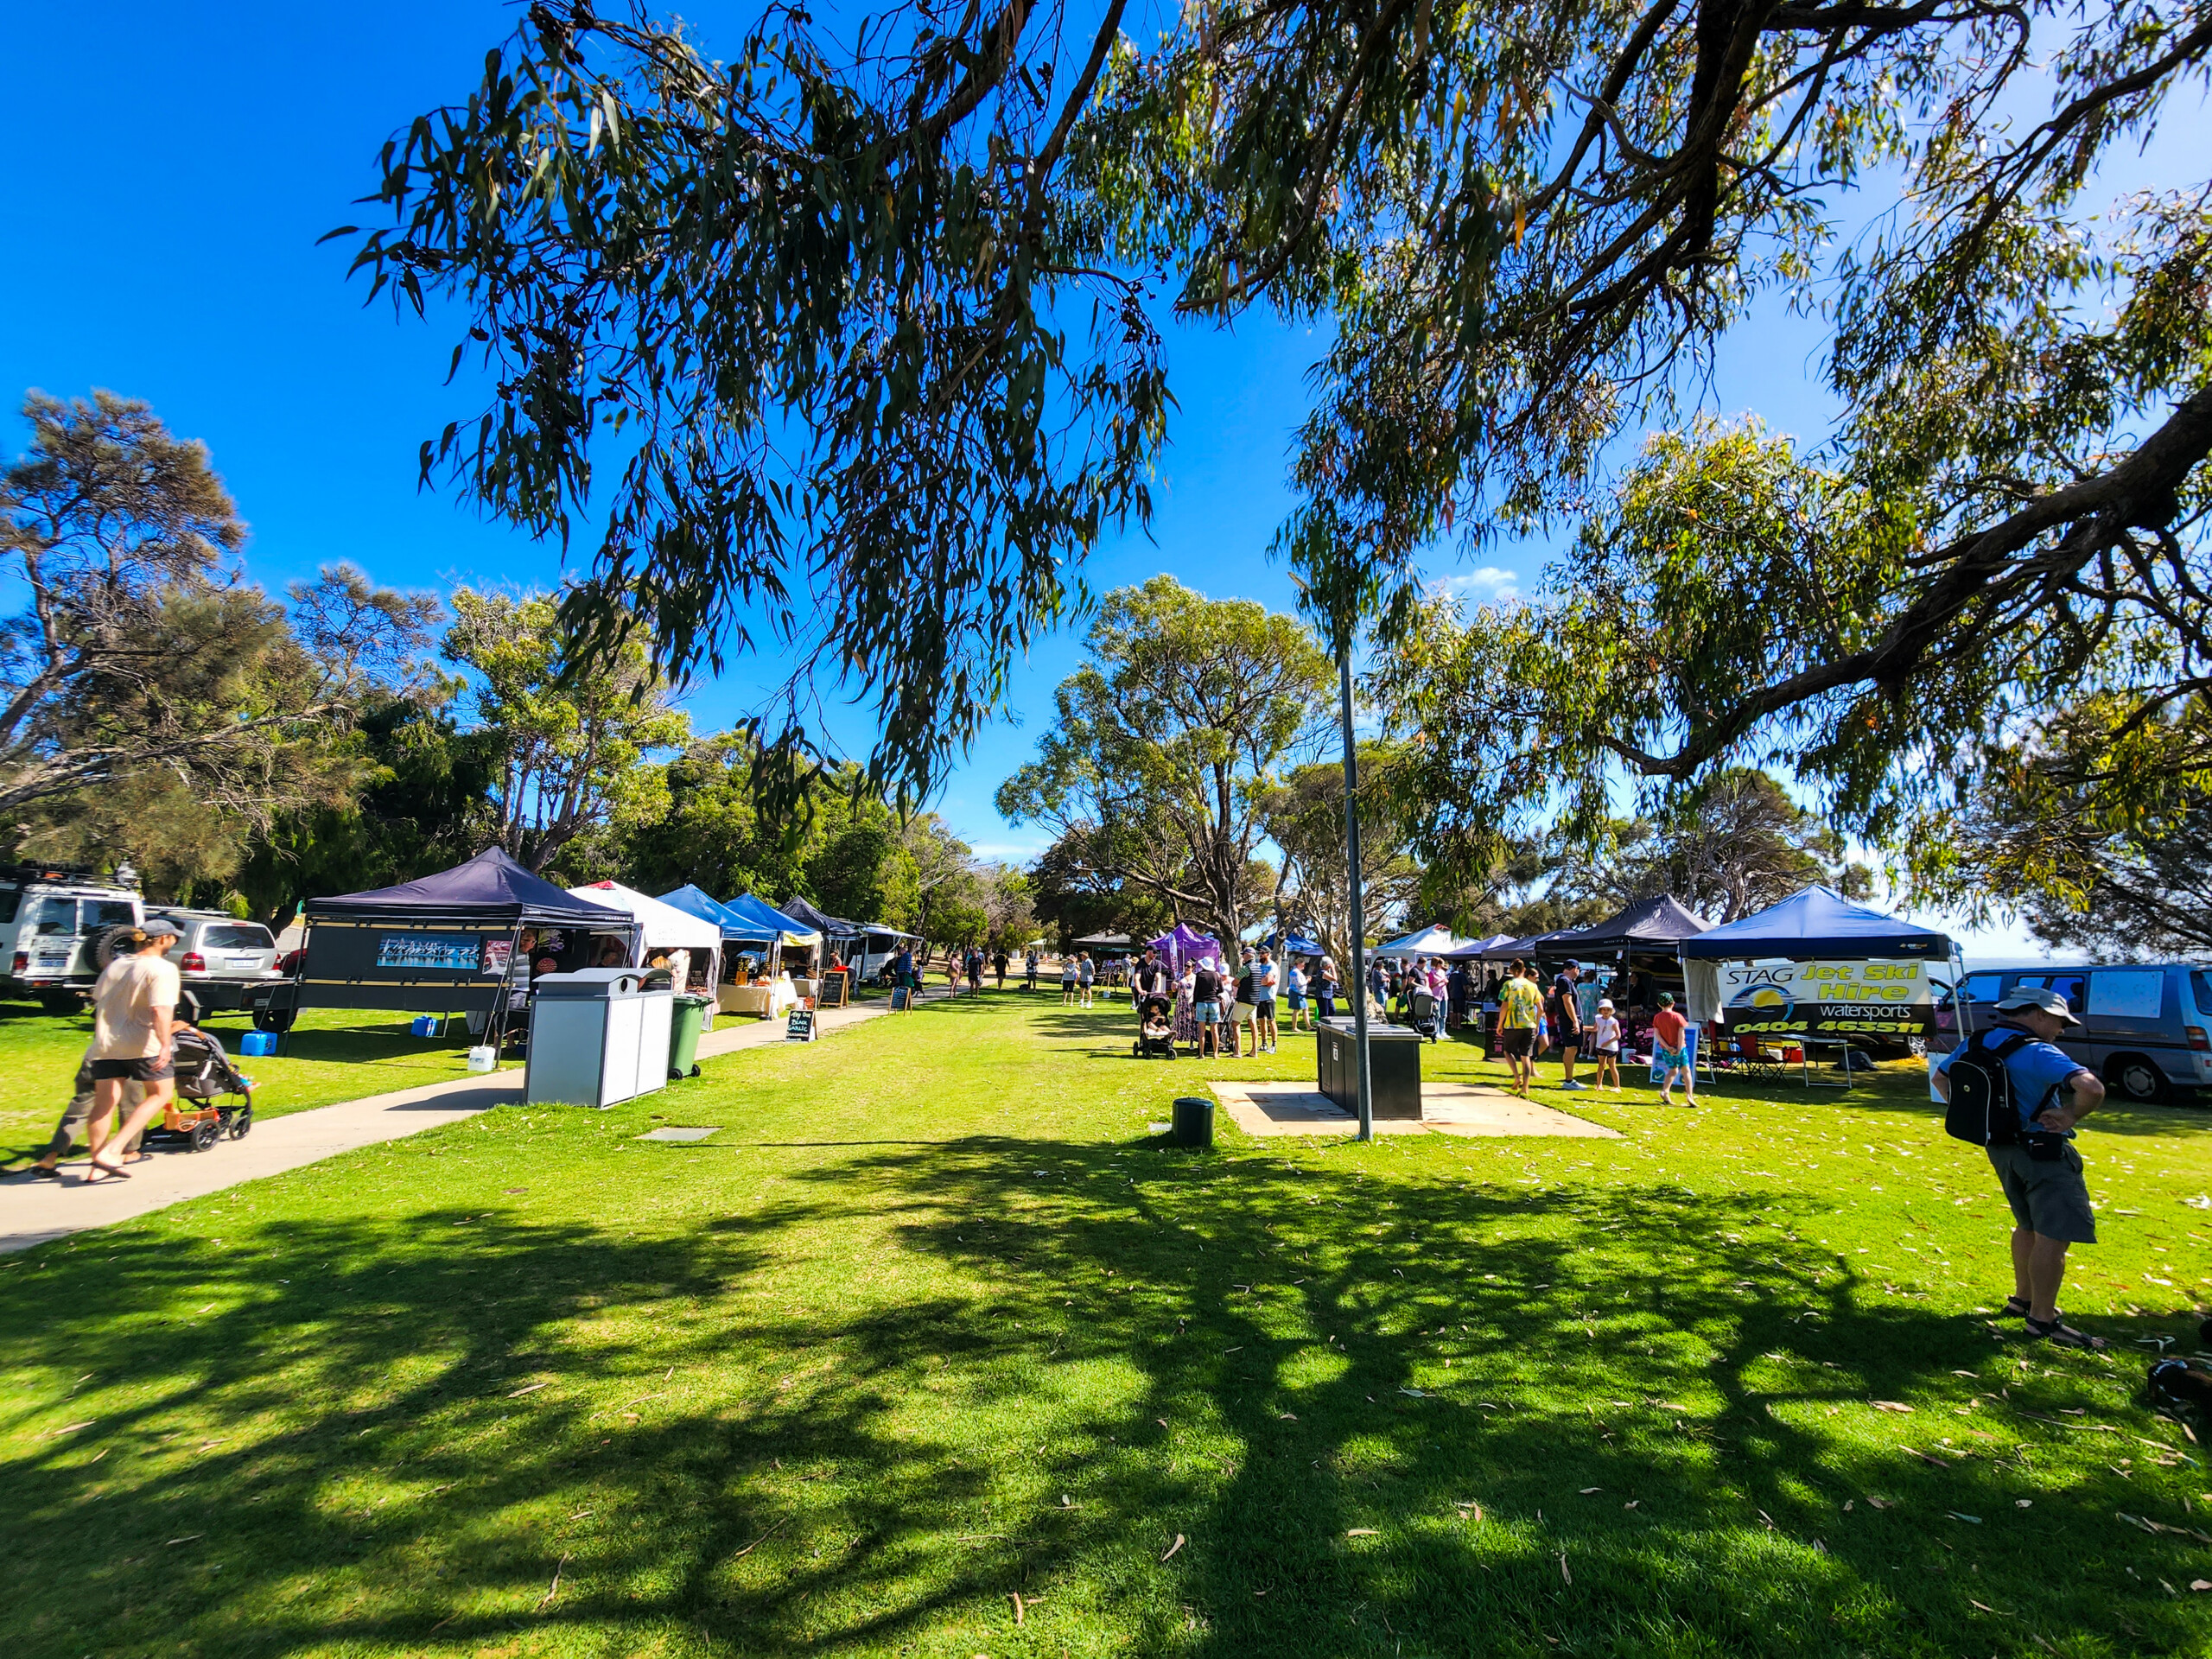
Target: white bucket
<point>483,1059</point>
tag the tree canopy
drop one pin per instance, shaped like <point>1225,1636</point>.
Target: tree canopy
<point>1164,745</point>
<point>154,704</point>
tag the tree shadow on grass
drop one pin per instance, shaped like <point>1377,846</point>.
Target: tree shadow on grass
<point>366,1456</point>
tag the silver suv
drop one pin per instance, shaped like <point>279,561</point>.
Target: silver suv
<point>219,957</point>
<point>53,922</point>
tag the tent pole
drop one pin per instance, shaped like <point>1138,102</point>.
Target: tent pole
<point>1357,897</point>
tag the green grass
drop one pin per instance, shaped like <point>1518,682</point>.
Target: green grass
<point>934,1321</point>
<point>332,1055</point>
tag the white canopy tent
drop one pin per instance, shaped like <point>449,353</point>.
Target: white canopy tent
<point>660,927</point>
<point>1432,941</point>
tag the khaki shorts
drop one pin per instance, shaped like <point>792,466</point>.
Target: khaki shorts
<point>2047,1198</point>
<point>1519,1041</point>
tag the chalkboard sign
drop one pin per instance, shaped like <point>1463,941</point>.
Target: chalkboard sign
<point>837,988</point>
<point>799,1026</point>
<point>900,997</point>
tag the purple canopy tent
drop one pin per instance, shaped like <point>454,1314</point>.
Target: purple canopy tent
<point>1181,944</point>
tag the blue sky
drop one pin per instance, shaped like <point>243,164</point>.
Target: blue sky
<point>174,166</point>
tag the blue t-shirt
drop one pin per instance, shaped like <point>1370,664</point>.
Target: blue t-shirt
<point>2037,1069</point>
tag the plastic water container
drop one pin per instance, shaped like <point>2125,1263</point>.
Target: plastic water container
<point>258,1042</point>
<point>484,1058</point>
<point>428,1025</point>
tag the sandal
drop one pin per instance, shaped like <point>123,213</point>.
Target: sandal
<point>2062,1335</point>
<point>2016,1307</point>
<point>113,1173</point>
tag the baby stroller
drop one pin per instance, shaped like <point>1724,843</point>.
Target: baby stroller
<point>213,1098</point>
<point>1420,1012</point>
<point>1155,1029</point>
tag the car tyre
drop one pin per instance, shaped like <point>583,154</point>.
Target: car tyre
<point>273,1020</point>
<point>2135,1077</point>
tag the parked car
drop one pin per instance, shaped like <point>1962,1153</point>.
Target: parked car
<point>55,928</point>
<point>2146,1027</point>
<point>221,959</point>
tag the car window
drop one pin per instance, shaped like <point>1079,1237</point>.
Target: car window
<point>237,936</point>
<point>2067,985</point>
<point>2203,981</point>
<point>1980,988</point>
<point>2127,993</point>
<point>10,899</point>
<point>51,917</point>
<point>107,912</point>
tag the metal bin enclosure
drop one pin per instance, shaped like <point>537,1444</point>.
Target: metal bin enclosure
<point>1392,1067</point>
<point>597,1037</point>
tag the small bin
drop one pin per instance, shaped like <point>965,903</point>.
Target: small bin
<point>686,1022</point>
<point>1193,1122</point>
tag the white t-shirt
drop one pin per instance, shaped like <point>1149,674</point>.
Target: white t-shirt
<point>1606,1033</point>
<point>124,998</point>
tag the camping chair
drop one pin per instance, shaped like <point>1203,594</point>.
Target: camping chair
<point>1754,1064</point>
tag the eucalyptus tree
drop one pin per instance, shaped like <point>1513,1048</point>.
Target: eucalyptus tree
<point>1166,747</point>
<point>809,342</point>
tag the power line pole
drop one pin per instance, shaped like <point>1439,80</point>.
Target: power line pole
<point>1358,898</point>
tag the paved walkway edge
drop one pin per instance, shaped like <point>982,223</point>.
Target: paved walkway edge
<point>33,1211</point>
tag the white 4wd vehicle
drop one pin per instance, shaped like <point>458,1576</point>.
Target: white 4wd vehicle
<point>53,921</point>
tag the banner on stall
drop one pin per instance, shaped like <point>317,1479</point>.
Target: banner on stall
<point>443,952</point>
<point>1838,997</point>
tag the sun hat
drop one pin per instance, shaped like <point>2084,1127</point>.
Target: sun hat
<point>2037,996</point>
<point>1605,1002</point>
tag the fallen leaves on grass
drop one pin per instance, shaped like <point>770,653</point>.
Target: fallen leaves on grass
<point>1891,1405</point>
<point>532,1388</point>
<point>1925,1457</point>
<point>554,1588</point>
<point>1363,1532</point>
<point>1172,1547</point>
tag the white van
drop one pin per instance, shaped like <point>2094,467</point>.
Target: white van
<point>53,919</point>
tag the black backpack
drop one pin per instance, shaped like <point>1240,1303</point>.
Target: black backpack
<point>1981,1111</point>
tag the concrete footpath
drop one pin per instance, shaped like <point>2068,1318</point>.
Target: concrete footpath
<point>33,1211</point>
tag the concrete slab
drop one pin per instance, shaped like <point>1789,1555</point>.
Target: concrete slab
<point>673,1133</point>
<point>1274,1109</point>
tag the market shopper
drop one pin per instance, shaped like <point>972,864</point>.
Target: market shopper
<point>1086,974</point>
<point>1265,980</point>
<point>1294,995</point>
<point>1067,982</point>
<point>1520,1006</point>
<point>2041,1174</point>
<point>134,1020</point>
<point>1029,966</point>
<point>904,976</point>
<point>1205,1005</point>
<point>1670,1052</point>
<point>1605,1045</point>
<point>999,960</point>
<point>1325,989</point>
<point>1564,1016</point>
<point>77,1114</point>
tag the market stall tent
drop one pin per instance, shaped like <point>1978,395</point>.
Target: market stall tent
<point>696,901</point>
<point>1434,940</point>
<point>1812,926</point>
<point>1658,923</point>
<point>661,927</point>
<point>1818,922</point>
<point>441,944</point>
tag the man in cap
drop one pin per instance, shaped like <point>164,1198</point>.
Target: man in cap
<point>2041,1173</point>
<point>1566,1016</point>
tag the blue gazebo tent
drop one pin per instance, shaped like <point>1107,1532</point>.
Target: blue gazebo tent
<point>696,901</point>
<point>1817,921</point>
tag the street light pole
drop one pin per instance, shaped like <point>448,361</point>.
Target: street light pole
<point>1358,899</point>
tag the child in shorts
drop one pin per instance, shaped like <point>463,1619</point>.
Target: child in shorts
<point>1606,1043</point>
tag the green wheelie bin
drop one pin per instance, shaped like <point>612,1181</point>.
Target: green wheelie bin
<point>686,1020</point>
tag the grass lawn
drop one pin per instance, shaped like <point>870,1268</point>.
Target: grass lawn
<point>332,1055</point>
<point>933,1349</point>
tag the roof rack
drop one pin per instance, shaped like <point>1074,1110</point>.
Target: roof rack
<point>27,870</point>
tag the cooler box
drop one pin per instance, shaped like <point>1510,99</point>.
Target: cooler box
<point>597,1037</point>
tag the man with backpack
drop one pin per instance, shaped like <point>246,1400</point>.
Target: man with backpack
<point>2003,1088</point>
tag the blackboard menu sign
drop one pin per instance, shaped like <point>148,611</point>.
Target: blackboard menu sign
<point>798,1028</point>
<point>837,988</point>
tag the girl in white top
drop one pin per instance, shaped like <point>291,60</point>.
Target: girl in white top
<point>1606,1043</point>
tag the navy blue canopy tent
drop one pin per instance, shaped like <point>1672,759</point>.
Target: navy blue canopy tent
<point>1818,922</point>
<point>460,940</point>
<point>1644,926</point>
